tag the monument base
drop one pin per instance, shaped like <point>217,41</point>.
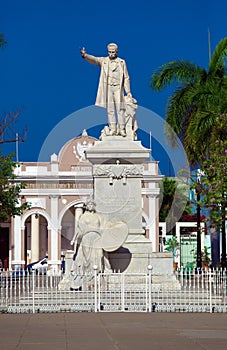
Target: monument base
<point>134,257</point>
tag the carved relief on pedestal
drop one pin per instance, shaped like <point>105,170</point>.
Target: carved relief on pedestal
<point>118,171</point>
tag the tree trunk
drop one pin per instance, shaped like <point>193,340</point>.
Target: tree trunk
<point>215,246</point>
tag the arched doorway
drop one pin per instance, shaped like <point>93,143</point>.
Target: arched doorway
<point>35,238</point>
<point>4,245</point>
<point>67,229</point>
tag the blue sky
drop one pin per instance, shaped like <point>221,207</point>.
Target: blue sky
<point>42,72</point>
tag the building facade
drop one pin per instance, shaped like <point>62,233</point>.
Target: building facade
<point>55,190</point>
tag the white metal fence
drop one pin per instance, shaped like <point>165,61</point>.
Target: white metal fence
<point>183,291</point>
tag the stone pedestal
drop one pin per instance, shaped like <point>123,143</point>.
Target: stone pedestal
<point>118,171</point>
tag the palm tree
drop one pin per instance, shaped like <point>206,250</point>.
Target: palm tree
<point>198,101</point>
<point>194,106</point>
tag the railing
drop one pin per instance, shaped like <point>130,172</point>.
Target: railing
<point>182,291</point>
<point>197,291</point>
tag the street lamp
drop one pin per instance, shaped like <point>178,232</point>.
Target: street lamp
<point>198,212</point>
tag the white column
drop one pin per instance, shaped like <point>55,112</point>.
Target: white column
<point>17,261</point>
<point>54,257</point>
<point>34,237</point>
<point>153,201</point>
<point>153,221</point>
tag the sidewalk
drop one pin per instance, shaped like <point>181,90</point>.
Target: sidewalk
<point>113,331</point>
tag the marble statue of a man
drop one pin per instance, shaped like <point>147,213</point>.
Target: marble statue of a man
<point>114,82</point>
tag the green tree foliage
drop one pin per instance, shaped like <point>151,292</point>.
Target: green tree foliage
<point>168,188</point>
<point>171,246</point>
<point>213,182</point>
<point>205,256</point>
<point>9,190</point>
<point>214,179</point>
<point>174,202</point>
<point>200,96</point>
<point>212,187</point>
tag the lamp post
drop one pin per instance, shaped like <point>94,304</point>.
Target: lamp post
<point>198,212</point>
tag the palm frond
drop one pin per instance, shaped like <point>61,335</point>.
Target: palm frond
<point>182,72</point>
<point>179,109</point>
<point>197,135</point>
<point>200,97</point>
<point>219,56</point>
<point>204,95</point>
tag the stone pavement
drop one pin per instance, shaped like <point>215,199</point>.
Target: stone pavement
<point>113,331</point>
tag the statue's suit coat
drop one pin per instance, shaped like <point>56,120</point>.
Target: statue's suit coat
<point>103,62</point>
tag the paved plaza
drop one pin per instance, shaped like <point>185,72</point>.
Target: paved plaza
<point>113,331</point>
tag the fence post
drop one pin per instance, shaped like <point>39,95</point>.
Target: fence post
<point>149,267</point>
<point>95,267</point>
<point>210,285</point>
<point>122,292</point>
<point>33,292</point>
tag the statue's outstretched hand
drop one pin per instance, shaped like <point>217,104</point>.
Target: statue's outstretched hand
<point>83,52</point>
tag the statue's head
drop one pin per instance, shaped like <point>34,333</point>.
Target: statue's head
<point>90,205</point>
<point>112,50</point>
